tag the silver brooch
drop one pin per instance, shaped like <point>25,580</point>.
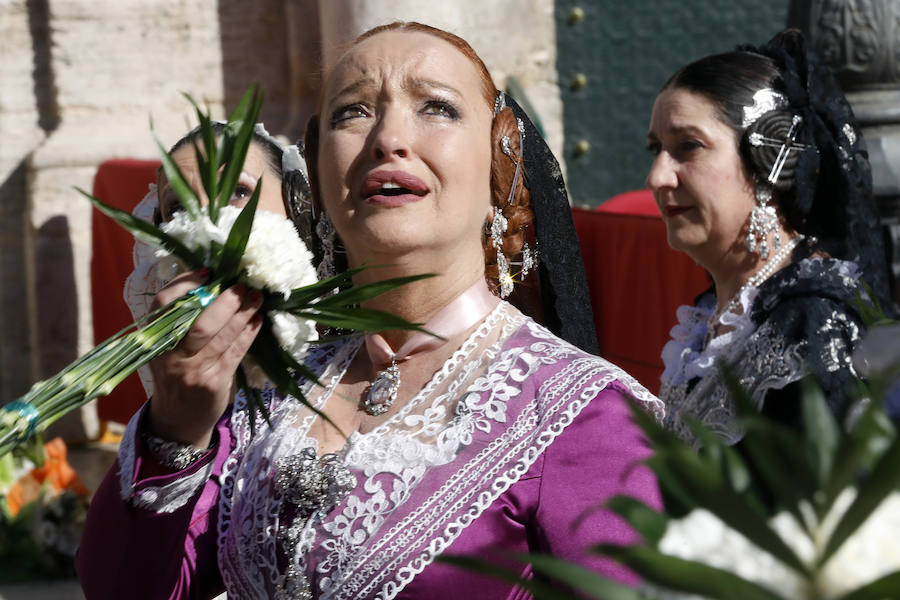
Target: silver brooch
<point>313,483</point>
<point>765,100</point>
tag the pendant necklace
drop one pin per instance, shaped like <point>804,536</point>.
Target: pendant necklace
<point>463,312</point>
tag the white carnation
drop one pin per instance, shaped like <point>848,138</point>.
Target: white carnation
<point>872,552</point>
<point>293,333</point>
<point>275,259</point>
<point>701,536</point>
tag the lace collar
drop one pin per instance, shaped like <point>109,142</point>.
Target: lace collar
<point>685,356</point>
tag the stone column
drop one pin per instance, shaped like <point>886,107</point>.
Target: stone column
<point>860,41</point>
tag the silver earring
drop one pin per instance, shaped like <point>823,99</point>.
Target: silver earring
<point>499,225</point>
<point>763,221</point>
<point>325,233</point>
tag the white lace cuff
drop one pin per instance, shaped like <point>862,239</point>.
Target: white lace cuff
<point>161,494</point>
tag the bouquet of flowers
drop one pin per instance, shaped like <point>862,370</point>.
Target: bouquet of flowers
<point>43,505</point>
<point>262,251</point>
<point>794,516</point>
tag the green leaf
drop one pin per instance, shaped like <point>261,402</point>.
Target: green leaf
<point>236,142</point>
<point>884,479</point>
<point>230,259</point>
<point>716,451</point>
<point>880,589</point>
<point>359,319</point>
<point>579,578</point>
<point>650,524</point>
<point>778,457</point>
<point>178,183</point>
<point>360,293</point>
<point>703,484</point>
<point>864,443</point>
<point>773,450</point>
<point>821,432</point>
<point>147,232</point>
<point>685,575</point>
<point>208,159</point>
<point>281,368</point>
<point>541,590</point>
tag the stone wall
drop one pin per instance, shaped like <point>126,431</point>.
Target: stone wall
<point>80,79</point>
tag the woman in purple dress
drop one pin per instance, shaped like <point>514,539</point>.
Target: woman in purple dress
<point>501,435</point>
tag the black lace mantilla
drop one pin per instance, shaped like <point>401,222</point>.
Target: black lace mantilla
<point>805,319</point>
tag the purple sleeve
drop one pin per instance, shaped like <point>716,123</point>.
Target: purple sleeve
<point>132,552</point>
<point>596,457</point>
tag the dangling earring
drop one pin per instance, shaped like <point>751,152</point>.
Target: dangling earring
<point>763,221</point>
<point>499,225</point>
<point>325,233</point>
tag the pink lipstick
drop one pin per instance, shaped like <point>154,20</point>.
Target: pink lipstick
<point>392,188</point>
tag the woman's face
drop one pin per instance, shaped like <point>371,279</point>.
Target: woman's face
<point>404,148</point>
<point>700,185</point>
<point>256,169</point>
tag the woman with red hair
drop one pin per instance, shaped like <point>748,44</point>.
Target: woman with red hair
<point>497,435</point>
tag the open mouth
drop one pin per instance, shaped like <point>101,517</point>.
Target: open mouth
<point>393,188</point>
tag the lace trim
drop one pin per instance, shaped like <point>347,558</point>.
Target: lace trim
<point>172,496</point>
<point>425,521</point>
<point>127,458</point>
<point>328,361</point>
<point>393,523</point>
<point>160,499</point>
<point>764,362</point>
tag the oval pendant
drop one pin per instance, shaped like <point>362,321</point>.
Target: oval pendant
<point>383,391</point>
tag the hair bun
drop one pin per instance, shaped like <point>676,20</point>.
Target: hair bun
<point>764,139</point>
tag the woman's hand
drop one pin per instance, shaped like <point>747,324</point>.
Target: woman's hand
<point>192,384</point>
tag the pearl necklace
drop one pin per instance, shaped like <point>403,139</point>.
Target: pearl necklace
<point>754,281</point>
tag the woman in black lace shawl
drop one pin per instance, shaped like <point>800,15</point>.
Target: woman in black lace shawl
<point>761,176</point>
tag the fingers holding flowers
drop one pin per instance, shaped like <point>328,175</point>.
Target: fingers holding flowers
<point>193,383</point>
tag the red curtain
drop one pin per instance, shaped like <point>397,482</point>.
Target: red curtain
<point>636,281</point>
<point>121,183</point>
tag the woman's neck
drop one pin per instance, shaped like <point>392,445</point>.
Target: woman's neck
<point>418,301</point>
<point>730,276</point>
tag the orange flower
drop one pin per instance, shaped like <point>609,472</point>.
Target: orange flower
<point>56,474</point>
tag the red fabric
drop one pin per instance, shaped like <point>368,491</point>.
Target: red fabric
<point>638,202</point>
<point>636,282</point>
<point>121,183</point>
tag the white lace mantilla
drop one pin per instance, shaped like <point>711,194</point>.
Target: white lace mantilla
<point>422,476</point>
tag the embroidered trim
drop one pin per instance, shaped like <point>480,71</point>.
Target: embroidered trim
<point>172,496</point>
<point>391,527</point>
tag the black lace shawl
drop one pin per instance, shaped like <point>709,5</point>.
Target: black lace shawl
<point>806,319</point>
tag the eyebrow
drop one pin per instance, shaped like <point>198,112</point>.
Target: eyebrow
<point>679,130</point>
<point>353,87</point>
<point>431,83</point>
<point>408,84</point>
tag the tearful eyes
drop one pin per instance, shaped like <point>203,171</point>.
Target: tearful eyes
<point>441,109</point>
<point>348,112</point>
<point>434,107</point>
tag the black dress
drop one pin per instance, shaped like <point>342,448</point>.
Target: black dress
<point>805,319</point>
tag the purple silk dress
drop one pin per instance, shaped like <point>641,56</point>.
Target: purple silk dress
<point>513,446</point>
